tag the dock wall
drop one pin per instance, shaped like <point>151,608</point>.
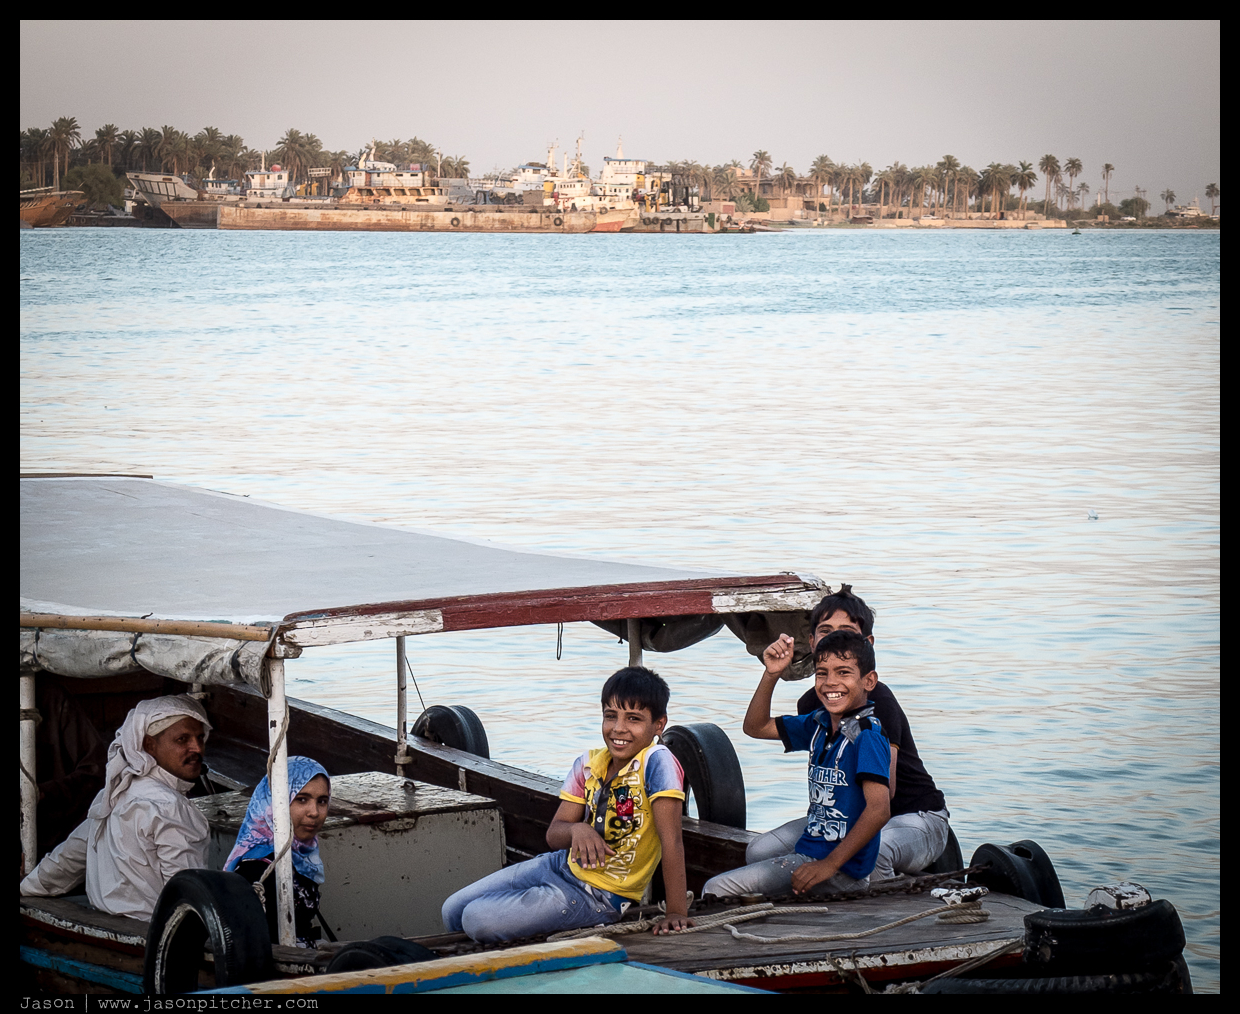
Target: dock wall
<point>399,220</point>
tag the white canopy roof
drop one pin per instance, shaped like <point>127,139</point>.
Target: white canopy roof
<point>169,572</point>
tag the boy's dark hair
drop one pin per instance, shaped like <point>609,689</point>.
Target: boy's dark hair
<point>854,607</point>
<point>847,644</point>
<point>635,687</point>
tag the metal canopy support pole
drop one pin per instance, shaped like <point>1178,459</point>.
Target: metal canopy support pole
<point>635,642</point>
<point>30,789</point>
<point>277,766</point>
<point>402,709</point>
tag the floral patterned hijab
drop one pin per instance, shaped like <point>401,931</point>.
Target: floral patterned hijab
<point>256,839</point>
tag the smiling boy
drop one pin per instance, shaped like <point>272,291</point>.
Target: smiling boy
<point>917,831</point>
<point>849,765</point>
<point>619,814</point>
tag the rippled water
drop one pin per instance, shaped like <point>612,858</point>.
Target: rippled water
<point>929,416</point>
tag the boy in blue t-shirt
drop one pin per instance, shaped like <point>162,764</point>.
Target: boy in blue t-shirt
<point>849,771</point>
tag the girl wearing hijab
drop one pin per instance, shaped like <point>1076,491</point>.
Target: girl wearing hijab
<point>252,856</point>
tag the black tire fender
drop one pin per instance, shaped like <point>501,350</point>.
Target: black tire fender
<point>1043,871</point>
<point>455,726</point>
<point>200,905</point>
<point>455,221</point>
<point>1171,977</point>
<point>557,220</point>
<point>1013,871</point>
<point>712,771</point>
<point>381,952</point>
<point>1089,941</point>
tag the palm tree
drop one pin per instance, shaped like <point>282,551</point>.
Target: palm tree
<point>1049,165</point>
<point>209,143</point>
<point>1082,190</point>
<point>166,149</point>
<point>64,134</point>
<point>127,140</point>
<point>723,185</point>
<point>1107,169</point>
<point>36,145</point>
<point>1024,179</point>
<point>923,176</point>
<point>106,137</point>
<point>885,181</point>
<point>760,163</point>
<point>148,145</point>
<point>1073,168</point>
<point>998,180</point>
<point>949,165</point>
<point>820,173</point>
<point>1213,193</point>
<point>786,178</point>
<point>294,152</point>
<point>1168,197</point>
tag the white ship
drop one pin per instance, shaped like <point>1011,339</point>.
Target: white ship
<point>374,182</point>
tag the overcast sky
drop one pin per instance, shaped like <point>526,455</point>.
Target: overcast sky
<point>1141,95</point>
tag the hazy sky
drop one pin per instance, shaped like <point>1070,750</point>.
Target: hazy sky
<point>1142,95</point>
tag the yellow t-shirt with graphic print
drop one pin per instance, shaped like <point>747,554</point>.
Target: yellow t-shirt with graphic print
<point>629,828</point>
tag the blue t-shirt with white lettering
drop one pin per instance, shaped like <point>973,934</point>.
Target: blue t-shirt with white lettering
<point>836,769</point>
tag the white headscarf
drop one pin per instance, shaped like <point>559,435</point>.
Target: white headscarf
<point>126,758</point>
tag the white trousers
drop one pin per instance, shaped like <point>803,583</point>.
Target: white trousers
<point>909,843</point>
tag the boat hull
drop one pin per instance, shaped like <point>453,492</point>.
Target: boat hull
<point>192,214</point>
<point>50,210</point>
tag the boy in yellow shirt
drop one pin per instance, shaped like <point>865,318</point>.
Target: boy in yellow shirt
<point>619,815</point>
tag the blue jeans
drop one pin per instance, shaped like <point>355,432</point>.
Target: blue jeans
<point>537,896</point>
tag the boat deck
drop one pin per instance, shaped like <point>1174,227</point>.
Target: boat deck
<point>915,950</point>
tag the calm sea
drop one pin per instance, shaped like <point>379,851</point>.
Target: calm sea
<point>929,416</point>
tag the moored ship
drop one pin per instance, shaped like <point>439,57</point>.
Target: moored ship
<point>373,182</point>
<point>43,208</point>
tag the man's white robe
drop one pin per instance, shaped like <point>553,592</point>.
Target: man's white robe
<point>141,830</point>
<point>152,833</point>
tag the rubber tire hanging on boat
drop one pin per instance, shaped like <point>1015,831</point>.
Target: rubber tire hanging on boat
<point>557,220</point>
<point>1022,869</point>
<point>381,952</point>
<point>455,222</point>
<point>712,771</point>
<point>1087,941</point>
<point>197,905</point>
<point>455,726</point>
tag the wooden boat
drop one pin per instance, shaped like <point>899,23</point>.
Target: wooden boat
<point>131,588</point>
<point>45,208</point>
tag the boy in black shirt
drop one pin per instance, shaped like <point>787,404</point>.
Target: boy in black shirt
<point>916,834</point>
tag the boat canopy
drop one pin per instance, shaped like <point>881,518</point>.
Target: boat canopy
<point>124,574</point>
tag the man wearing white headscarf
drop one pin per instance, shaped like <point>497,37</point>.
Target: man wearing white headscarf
<point>141,829</point>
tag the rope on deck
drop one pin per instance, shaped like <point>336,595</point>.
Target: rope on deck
<point>961,913</point>
<point>703,923</point>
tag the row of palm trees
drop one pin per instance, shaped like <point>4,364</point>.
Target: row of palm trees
<point>167,149</point>
<point>946,185</point>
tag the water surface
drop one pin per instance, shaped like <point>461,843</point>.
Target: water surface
<point>928,416</point>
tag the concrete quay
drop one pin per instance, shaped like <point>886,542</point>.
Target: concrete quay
<point>235,216</point>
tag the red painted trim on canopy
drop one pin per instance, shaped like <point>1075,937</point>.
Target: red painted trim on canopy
<point>553,605</point>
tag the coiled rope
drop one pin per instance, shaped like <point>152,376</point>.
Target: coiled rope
<point>959,913</point>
